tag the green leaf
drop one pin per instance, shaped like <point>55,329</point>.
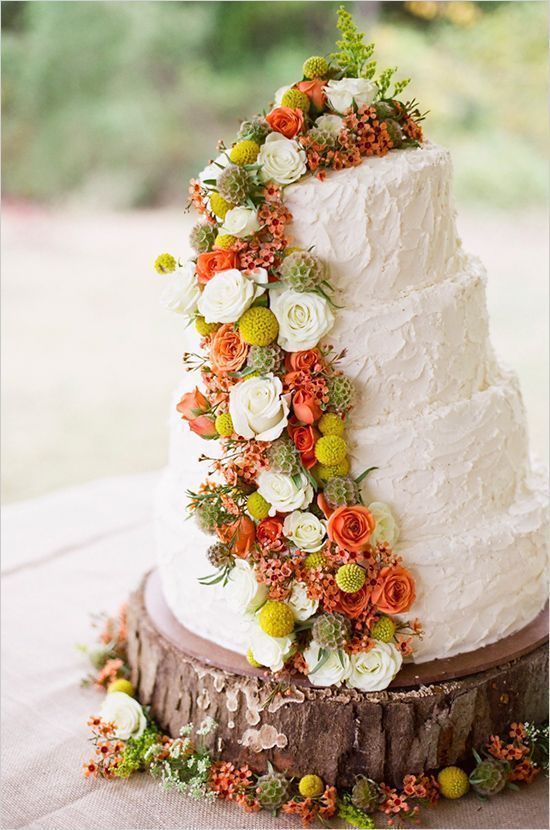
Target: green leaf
<point>324,654</point>
<point>364,474</point>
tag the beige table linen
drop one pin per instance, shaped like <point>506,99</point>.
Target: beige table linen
<point>65,556</point>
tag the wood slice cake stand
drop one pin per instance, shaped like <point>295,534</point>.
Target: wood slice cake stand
<point>431,716</point>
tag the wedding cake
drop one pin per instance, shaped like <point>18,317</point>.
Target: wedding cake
<point>355,489</point>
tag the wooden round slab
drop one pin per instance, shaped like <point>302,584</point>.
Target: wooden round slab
<point>432,716</point>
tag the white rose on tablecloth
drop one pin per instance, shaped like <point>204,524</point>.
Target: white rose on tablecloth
<point>386,528</point>
<point>213,171</point>
<point>258,407</point>
<point>243,592</point>
<point>269,651</point>
<point>182,291</point>
<point>302,606</point>
<point>284,493</point>
<point>304,318</point>
<point>241,222</point>
<point>374,670</point>
<point>335,668</point>
<point>342,94</point>
<point>331,124</point>
<point>305,531</point>
<point>278,97</point>
<point>227,295</point>
<point>281,159</point>
<point>126,713</point>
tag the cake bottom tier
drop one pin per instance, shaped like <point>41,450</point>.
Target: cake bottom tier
<point>473,588</point>
<point>334,733</point>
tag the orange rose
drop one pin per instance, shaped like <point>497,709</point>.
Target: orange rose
<point>302,361</point>
<point>286,121</point>
<point>351,527</point>
<point>304,438</point>
<point>210,263</point>
<point>192,404</point>
<point>228,351</point>
<point>269,533</point>
<point>306,407</point>
<point>397,591</point>
<point>240,534</point>
<point>203,426</point>
<point>315,91</point>
<point>353,605</point>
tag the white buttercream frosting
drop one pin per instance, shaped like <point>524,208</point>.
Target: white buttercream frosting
<point>435,413</point>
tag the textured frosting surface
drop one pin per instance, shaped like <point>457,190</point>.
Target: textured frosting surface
<point>435,413</point>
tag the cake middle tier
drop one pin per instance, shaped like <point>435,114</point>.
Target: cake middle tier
<point>430,346</point>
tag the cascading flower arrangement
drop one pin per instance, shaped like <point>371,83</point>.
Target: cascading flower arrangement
<point>296,549</point>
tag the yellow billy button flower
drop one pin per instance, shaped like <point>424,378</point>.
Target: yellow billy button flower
<point>258,326</point>
<point>165,264</point>
<point>219,206</point>
<point>121,685</point>
<point>276,619</point>
<point>325,473</point>
<point>295,99</point>
<point>224,240</point>
<point>383,629</point>
<point>331,424</point>
<point>250,657</point>
<point>244,152</point>
<point>311,786</point>
<point>315,560</point>
<point>257,506</point>
<point>330,450</point>
<point>350,578</point>
<point>224,425</point>
<point>453,782</point>
<point>205,328</point>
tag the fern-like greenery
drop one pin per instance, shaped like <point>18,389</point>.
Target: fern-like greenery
<point>353,56</point>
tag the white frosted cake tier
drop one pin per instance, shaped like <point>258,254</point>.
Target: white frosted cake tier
<point>435,413</point>
<point>384,227</point>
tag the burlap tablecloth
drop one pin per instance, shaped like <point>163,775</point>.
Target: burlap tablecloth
<point>68,555</point>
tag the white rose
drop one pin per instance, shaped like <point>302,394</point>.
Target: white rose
<point>227,295</point>
<point>343,94</point>
<point>258,407</point>
<point>304,530</point>
<point>333,672</point>
<point>283,492</point>
<point>213,171</point>
<point>281,159</point>
<point>374,670</point>
<point>241,222</point>
<point>269,651</point>
<point>279,94</point>
<point>182,291</point>
<point>386,528</point>
<point>331,124</point>
<point>243,592</point>
<point>304,318</point>
<point>302,606</point>
<point>126,713</point>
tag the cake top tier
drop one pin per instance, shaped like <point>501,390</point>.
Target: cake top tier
<point>385,227</point>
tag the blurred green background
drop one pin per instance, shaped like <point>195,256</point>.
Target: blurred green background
<point>110,107</point>
<point>114,103</point>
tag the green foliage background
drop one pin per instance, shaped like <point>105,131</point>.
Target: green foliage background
<point>119,103</point>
